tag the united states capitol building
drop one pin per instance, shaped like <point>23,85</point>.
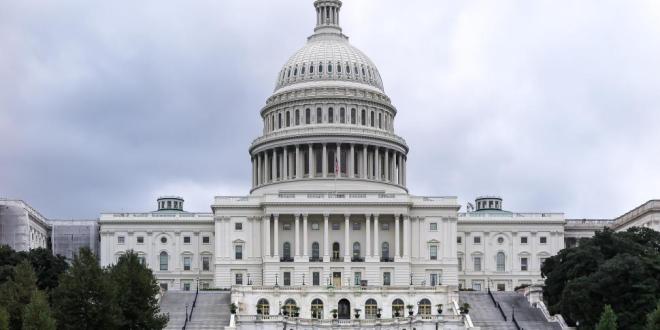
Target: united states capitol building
<point>329,225</point>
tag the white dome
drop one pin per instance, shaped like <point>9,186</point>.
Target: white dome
<point>329,57</point>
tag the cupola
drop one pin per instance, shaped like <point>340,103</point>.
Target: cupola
<point>170,203</point>
<point>486,203</point>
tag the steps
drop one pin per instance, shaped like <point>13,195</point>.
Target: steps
<point>173,303</point>
<point>211,311</point>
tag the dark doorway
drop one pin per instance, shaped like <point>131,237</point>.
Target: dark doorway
<point>344,309</point>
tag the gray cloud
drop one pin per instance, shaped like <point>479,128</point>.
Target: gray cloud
<point>552,104</point>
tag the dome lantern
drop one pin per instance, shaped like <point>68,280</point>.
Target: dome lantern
<point>327,16</point>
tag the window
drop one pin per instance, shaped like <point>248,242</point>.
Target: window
<point>500,258</point>
<point>329,68</point>
<point>288,119</point>
<point>380,120</point>
<point>331,115</point>
<point>372,119</point>
<point>544,240</point>
<point>186,263</point>
<point>287,278</point>
<point>298,111</point>
<point>370,309</point>
<point>434,279</point>
<point>363,119</point>
<point>385,226</point>
<point>357,278</point>
<point>142,260</point>
<point>387,278</point>
<point>238,226</point>
<point>307,116</point>
<point>316,278</point>
<point>335,226</point>
<point>476,286</point>
<point>317,309</point>
<point>433,226</point>
<point>263,307</point>
<point>239,279</point>
<point>397,307</point>
<point>433,252</point>
<point>477,240</point>
<point>501,287</point>
<point>424,307</point>
<point>140,239</point>
<point>459,239</point>
<point>311,68</point>
<point>315,226</point>
<point>356,250</point>
<point>356,226</point>
<point>289,307</point>
<point>523,264</point>
<point>186,239</point>
<point>279,120</point>
<point>238,252</point>
<point>206,263</point>
<point>186,286</point>
<point>353,116</point>
<point>523,240</point>
<point>500,240</point>
<point>385,250</point>
<point>342,115</point>
<point>286,226</point>
<point>206,240</point>
<point>319,115</point>
<point>460,264</point>
<point>315,251</point>
<point>477,264</point>
<point>164,260</point>
<point>286,250</point>
<point>120,239</point>
<point>542,261</point>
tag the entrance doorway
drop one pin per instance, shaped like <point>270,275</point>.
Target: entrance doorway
<point>336,279</point>
<point>344,309</point>
<point>335,251</point>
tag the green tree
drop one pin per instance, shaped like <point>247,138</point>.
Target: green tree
<point>4,319</point>
<point>84,297</point>
<point>17,292</point>
<point>135,294</point>
<point>607,319</point>
<point>47,267</point>
<point>37,315</point>
<point>653,319</point>
<point>8,260</point>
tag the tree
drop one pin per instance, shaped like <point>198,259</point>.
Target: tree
<point>135,294</point>
<point>84,297</point>
<point>607,319</point>
<point>4,319</point>
<point>37,315</point>
<point>653,319</point>
<point>17,292</point>
<point>617,269</point>
<point>47,267</point>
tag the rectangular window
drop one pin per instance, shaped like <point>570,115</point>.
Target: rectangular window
<point>476,286</point>
<point>433,226</point>
<point>286,226</point>
<point>544,240</point>
<point>239,252</point>
<point>140,239</point>
<point>386,226</point>
<point>523,264</point>
<point>186,263</point>
<point>434,280</point>
<point>357,278</point>
<point>238,226</point>
<point>186,286</point>
<point>523,240</point>
<point>287,278</point>
<point>186,239</point>
<point>206,263</point>
<point>239,279</point>
<point>477,264</point>
<point>387,278</point>
<point>315,226</point>
<point>477,240</point>
<point>316,278</point>
<point>335,226</point>
<point>142,260</point>
<point>460,264</point>
<point>356,226</point>
<point>542,261</point>
<point>206,240</point>
<point>459,239</point>
<point>433,251</point>
<point>120,239</point>
<point>331,116</point>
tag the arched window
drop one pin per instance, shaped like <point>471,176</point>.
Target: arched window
<point>385,250</point>
<point>319,115</point>
<point>297,117</point>
<point>353,116</point>
<point>335,251</point>
<point>286,250</point>
<point>397,308</point>
<point>263,307</point>
<point>380,120</point>
<point>320,68</point>
<point>356,250</point>
<point>308,116</point>
<point>372,119</point>
<point>302,69</point>
<point>424,307</point>
<point>272,122</point>
<point>364,118</point>
<point>501,259</point>
<point>315,251</point>
<point>317,309</point>
<point>288,73</point>
<point>331,115</point>
<point>342,115</point>
<point>348,68</point>
<point>289,308</point>
<point>329,67</point>
<point>338,67</point>
<point>355,71</point>
<point>279,120</point>
<point>164,261</point>
<point>288,119</point>
<point>295,71</point>
<point>311,68</point>
<point>370,309</point>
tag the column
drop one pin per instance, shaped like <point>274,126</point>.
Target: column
<point>310,161</point>
<point>365,175</point>
<point>397,251</point>
<point>406,236</point>
<point>376,243</point>
<point>367,248</point>
<point>305,244</point>
<point>254,172</point>
<point>351,162</point>
<point>326,248</point>
<point>285,167</point>
<point>265,166</point>
<point>266,224</point>
<point>376,164</point>
<point>276,239</point>
<point>338,155</point>
<point>259,169</point>
<point>387,165</point>
<point>400,179</point>
<point>273,170</point>
<point>297,233</point>
<point>324,166</point>
<point>404,170</point>
<point>347,244</point>
<point>298,163</point>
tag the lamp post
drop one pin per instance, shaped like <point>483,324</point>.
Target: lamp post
<point>303,279</point>
<point>276,284</point>
<point>186,312</point>
<point>411,276</point>
<point>248,276</point>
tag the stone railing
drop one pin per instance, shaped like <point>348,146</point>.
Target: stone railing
<point>349,322</point>
<point>157,215</point>
<point>329,129</point>
<point>635,213</point>
<point>588,222</point>
<point>342,289</point>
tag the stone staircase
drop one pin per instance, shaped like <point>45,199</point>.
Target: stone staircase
<point>211,311</point>
<point>486,315</point>
<point>173,303</point>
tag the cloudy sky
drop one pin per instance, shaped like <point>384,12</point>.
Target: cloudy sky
<point>555,105</point>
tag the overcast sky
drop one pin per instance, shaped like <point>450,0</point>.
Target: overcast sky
<point>554,105</point>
